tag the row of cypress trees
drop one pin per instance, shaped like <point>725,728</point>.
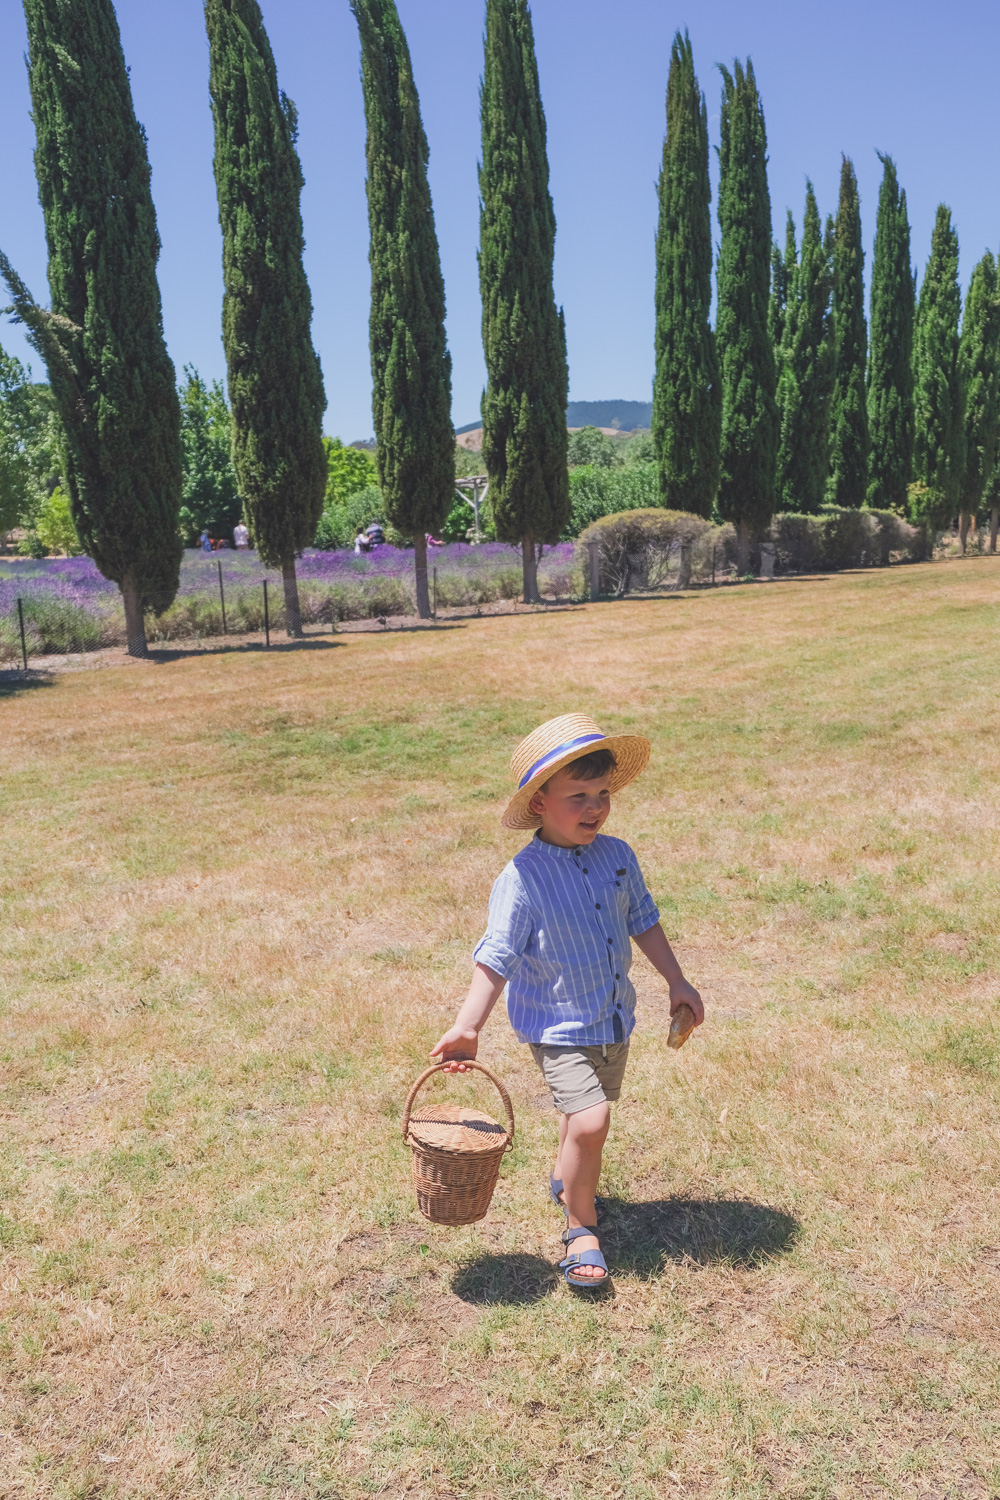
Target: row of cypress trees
<point>783,405</point>
<point>102,339</point>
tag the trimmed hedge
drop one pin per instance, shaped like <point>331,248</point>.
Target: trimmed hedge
<point>636,547</point>
<point>838,539</point>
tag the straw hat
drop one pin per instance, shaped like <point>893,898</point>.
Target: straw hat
<point>554,745</point>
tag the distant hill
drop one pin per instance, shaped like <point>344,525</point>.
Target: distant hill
<point>624,415</point>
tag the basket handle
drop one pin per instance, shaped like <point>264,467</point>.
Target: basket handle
<point>480,1068</point>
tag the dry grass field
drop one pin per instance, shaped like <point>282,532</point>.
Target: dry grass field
<point>240,891</point>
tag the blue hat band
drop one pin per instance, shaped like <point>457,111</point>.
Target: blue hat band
<point>551,756</point>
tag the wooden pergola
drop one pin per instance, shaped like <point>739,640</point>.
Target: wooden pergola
<point>479,485</point>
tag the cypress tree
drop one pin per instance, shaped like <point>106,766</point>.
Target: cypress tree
<point>939,414</point>
<point>890,372</point>
<point>979,370</point>
<point>111,378</point>
<point>849,416</point>
<point>411,367</point>
<point>275,381</point>
<point>805,379</point>
<point>524,336</point>
<point>686,408</point>
<point>746,355</point>
<point>783,269</point>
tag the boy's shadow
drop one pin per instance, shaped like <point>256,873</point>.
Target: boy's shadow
<point>642,1239</point>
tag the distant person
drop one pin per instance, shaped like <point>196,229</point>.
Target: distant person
<point>375,534</point>
<point>241,538</point>
<point>205,542</point>
<point>434,541</point>
<point>361,543</point>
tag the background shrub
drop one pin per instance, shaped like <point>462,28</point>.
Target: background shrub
<point>842,538</point>
<point>636,546</point>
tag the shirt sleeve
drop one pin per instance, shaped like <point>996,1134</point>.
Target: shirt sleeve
<point>643,912</point>
<point>509,929</point>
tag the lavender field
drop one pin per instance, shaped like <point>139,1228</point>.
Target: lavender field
<point>68,606</point>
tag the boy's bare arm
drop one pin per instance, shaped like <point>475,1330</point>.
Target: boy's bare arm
<point>461,1043</point>
<point>653,943</point>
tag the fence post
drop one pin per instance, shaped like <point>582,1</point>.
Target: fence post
<point>435,595</point>
<point>594,548</point>
<point>222,597</point>
<point>267,623</point>
<point>24,648</point>
<point>713,567</point>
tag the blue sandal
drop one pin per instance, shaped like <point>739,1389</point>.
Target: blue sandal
<point>583,1258</point>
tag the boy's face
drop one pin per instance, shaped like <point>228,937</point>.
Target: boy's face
<point>572,812</point>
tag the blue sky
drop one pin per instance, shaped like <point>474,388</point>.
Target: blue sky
<point>915,79</point>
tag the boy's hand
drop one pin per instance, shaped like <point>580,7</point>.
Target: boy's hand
<point>457,1047</point>
<point>682,993</point>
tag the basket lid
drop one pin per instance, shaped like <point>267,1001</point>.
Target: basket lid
<point>452,1127</point>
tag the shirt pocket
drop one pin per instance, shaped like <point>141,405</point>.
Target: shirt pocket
<point>611,896</point>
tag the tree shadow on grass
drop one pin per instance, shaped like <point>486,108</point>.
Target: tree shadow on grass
<point>508,1280</point>
<point>14,682</point>
<point>643,1238</point>
<point>165,654</point>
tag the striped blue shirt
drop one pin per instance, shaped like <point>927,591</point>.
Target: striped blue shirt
<point>560,930</point>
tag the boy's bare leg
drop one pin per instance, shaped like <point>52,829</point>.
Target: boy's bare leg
<point>581,1142</point>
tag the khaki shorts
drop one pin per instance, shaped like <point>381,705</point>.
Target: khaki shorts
<point>582,1076</point>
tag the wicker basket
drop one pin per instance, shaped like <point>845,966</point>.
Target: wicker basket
<point>456,1153</point>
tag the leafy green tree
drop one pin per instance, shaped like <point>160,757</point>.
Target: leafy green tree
<point>783,268</point>
<point>939,412</point>
<point>848,485</point>
<point>275,380</point>
<point>588,445</point>
<point>890,360</point>
<point>746,355</point>
<point>210,494</point>
<point>15,471</point>
<point>411,366</point>
<point>54,525</point>
<point>524,336</point>
<point>806,368</point>
<point>686,396</point>
<point>111,377</point>
<point>979,374</point>
<point>348,470</point>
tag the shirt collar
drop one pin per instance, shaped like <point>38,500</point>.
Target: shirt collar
<point>553,851</point>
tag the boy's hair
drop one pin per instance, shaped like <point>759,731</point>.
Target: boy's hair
<point>589,767</point>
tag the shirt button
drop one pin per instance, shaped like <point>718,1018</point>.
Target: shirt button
<point>609,940</point>
<point>597,905</point>
<point>585,870</point>
<point>618,976</point>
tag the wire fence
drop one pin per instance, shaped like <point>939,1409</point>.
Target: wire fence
<point>62,606</point>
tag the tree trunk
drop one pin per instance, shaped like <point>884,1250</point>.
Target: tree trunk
<point>293,614</point>
<point>994,524</point>
<point>963,529</point>
<point>529,569</point>
<point>742,549</point>
<point>684,570</point>
<point>420,575</point>
<point>135,624</point>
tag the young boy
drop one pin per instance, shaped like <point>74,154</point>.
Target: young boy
<point>563,916</point>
